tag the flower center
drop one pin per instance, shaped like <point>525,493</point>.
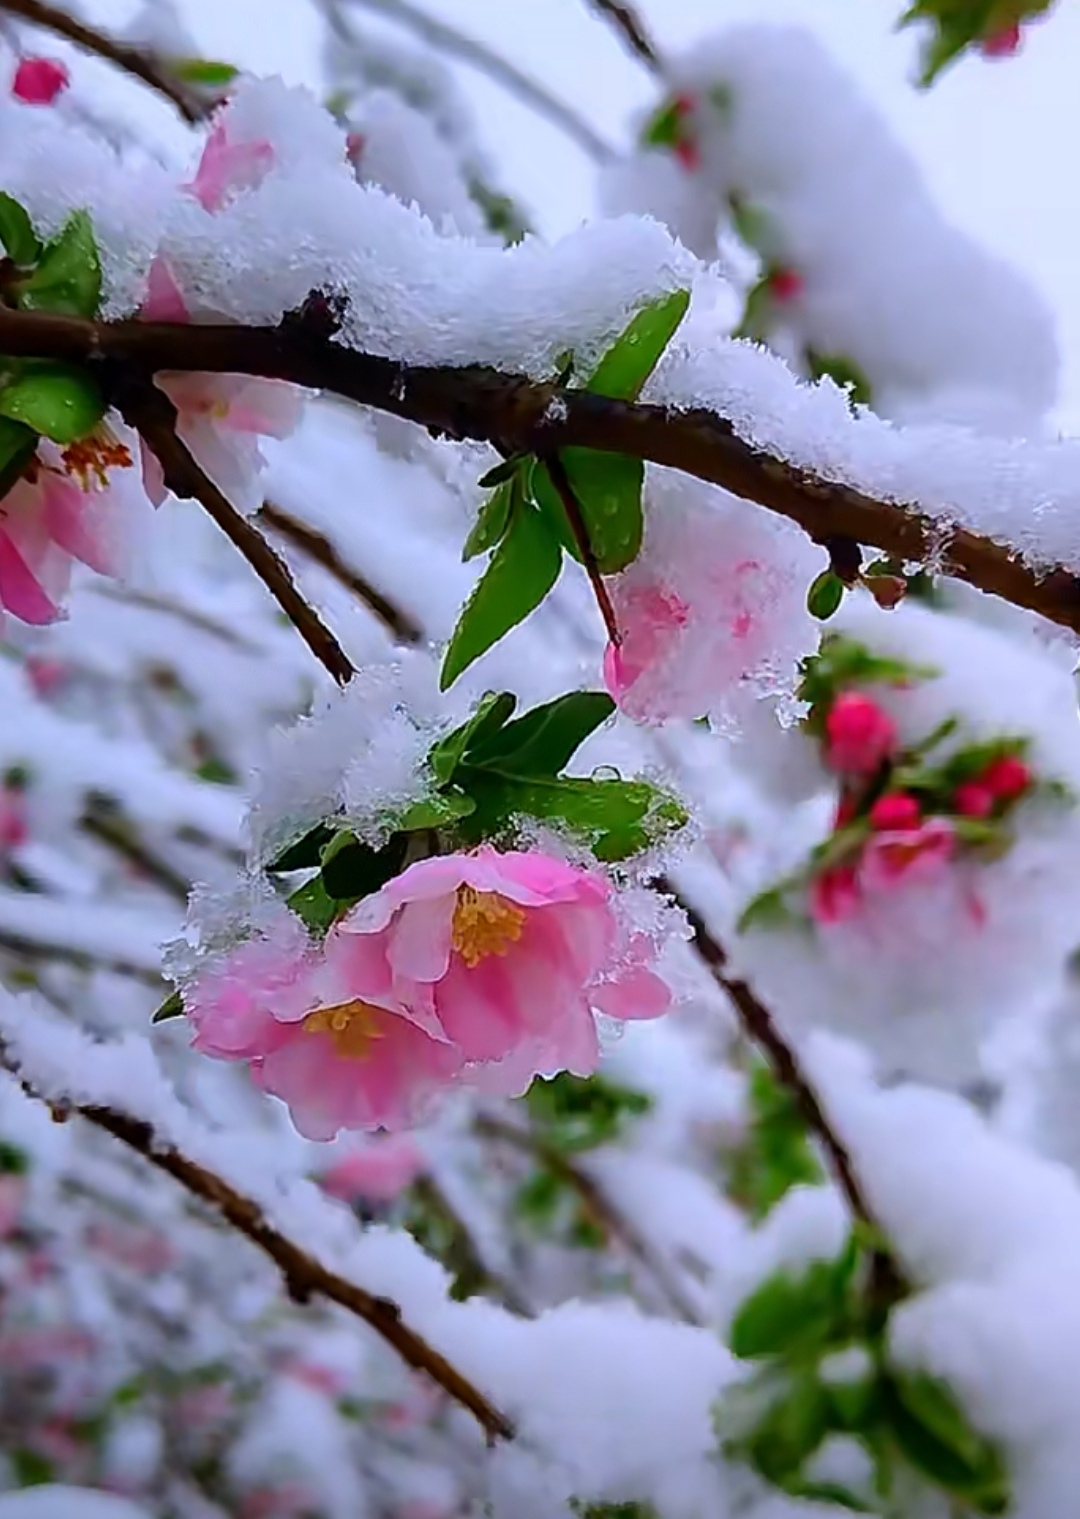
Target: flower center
<point>95,455</point>
<point>484,924</point>
<point>353,1026</point>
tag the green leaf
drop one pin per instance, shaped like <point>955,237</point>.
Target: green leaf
<point>59,401</point>
<point>791,1430</point>
<point>17,446</point>
<point>758,312</point>
<point>21,242</point>
<point>664,128</point>
<point>608,491</point>
<point>13,1161</point>
<point>435,811</point>
<point>616,818</point>
<point>304,852</point>
<point>491,522</point>
<point>542,742</point>
<point>68,276</point>
<point>204,71</point>
<point>172,1007</point>
<point>352,869</point>
<point>505,470</point>
<point>769,909</point>
<point>578,1113</point>
<point>752,226</point>
<point>828,1492</point>
<point>30,1469</point>
<point>521,572</point>
<point>825,595</point>
<point>934,1435</point>
<point>634,355</point>
<point>788,1312</point>
<point>313,905</point>
<point>843,372</point>
<point>492,711</point>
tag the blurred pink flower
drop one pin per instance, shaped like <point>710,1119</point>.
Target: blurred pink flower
<point>859,734</point>
<point>911,855</point>
<point>38,81</point>
<point>219,416</point>
<point>834,895</point>
<point>377,1172</point>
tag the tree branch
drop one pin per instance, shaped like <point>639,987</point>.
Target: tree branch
<point>626,21</point>
<point>518,416</point>
<point>153,415</point>
<point>318,547</point>
<point>134,61</point>
<point>758,1024</point>
<point>304,1275</point>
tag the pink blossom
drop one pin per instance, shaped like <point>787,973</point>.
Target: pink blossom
<point>973,800</point>
<point>38,81</point>
<point>834,895</point>
<point>507,955</point>
<point>859,734</point>
<point>785,285</point>
<point>378,1171</point>
<point>219,416</point>
<point>895,812</point>
<point>1006,778</point>
<point>715,600</point>
<point>65,507</point>
<point>318,1377</point>
<point>14,830</point>
<point>46,675</point>
<point>1003,43</point>
<point>915,855</point>
<point>229,166</point>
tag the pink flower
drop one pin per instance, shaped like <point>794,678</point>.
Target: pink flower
<point>715,599</point>
<point>65,507</point>
<point>229,166</point>
<point>785,285</point>
<point>973,800</point>
<point>46,675</point>
<point>508,955</point>
<point>38,81</point>
<point>377,1172</point>
<point>1006,778</point>
<point>834,895</point>
<point>895,812</point>
<point>915,855</point>
<point>1003,43</point>
<point>14,831</point>
<point>219,416</point>
<point>859,735</point>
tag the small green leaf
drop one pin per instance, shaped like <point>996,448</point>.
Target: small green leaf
<point>934,1435</point>
<point>59,401</point>
<point>435,811</point>
<point>608,491</point>
<point>304,852</point>
<point>492,711</point>
<point>313,905</point>
<point>828,1492</point>
<point>204,71</point>
<point>543,741</point>
<point>825,595</point>
<point>352,869</point>
<point>634,355</point>
<point>17,446</point>
<point>664,128</point>
<point>788,1312</point>
<point>491,522</point>
<point>616,818</point>
<point>843,372</point>
<point>21,242</point>
<point>521,572</point>
<point>68,276</point>
<point>172,1007</point>
<point>769,909</point>
<point>505,470</point>
<point>753,226</point>
<point>791,1431</point>
<point>759,310</point>
<point>13,1161</point>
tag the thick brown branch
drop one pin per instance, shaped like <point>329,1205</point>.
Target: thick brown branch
<point>523,416</point>
<point>318,547</point>
<point>141,65</point>
<point>758,1024</point>
<point>572,506</point>
<point>627,22</point>
<point>304,1275</point>
<point>152,414</point>
<point>597,1205</point>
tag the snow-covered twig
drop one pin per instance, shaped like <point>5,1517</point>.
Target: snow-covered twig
<point>152,413</point>
<point>304,1275</point>
<point>141,65</point>
<point>627,22</point>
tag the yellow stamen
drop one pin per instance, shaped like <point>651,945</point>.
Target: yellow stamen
<point>484,924</point>
<point>351,1025</point>
<point>95,455</point>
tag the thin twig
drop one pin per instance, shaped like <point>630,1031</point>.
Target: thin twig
<point>518,415</point>
<point>111,828</point>
<point>572,506</point>
<point>318,547</point>
<point>447,39</point>
<point>305,1277</point>
<point>140,64</point>
<point>153,415</point>
<point>597,1204</point>
<point>627,22</point>
<point>757,1022</point>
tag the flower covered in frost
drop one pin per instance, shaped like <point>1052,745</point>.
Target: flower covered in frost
<point>38,81</point>
<point>484,969</point>
<point>941,893</point>
<point>219,416</point>
<point>713,607</point>
<point>68,505</point>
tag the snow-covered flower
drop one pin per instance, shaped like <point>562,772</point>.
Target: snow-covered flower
<point>38,81</point>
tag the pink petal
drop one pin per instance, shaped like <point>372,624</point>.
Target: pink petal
<point>68,511</point>
<point>164,302</point>
<point>420,939</point>
<point>20,591</point>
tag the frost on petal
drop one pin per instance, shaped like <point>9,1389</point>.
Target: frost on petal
<point>714,608</point>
